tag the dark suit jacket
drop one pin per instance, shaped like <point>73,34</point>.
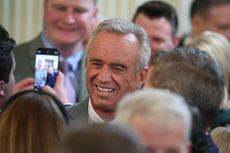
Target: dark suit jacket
<point>78,113</point>
<point>25,63</point>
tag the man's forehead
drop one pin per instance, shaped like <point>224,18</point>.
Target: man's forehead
<point>153,24</point>
<point>79,2</point>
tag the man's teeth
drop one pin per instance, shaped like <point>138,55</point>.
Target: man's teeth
<point>105,89</point>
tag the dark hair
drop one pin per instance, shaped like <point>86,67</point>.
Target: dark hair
<point>157,9</point>
<point>202,7</point>
<point>198,138</point>
<point>193,74</point>
<point>7,44</point>
<point>100,138</point>
<point>32,122</point>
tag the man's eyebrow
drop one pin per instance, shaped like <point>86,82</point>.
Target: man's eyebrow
<point>119,65</point>
<point>94,59</point>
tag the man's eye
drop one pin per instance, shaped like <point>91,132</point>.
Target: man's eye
<point>96,64</point>
<point>157,40</point>
<point>224,27</point>
<point>118,69</point>
<point>59,7</point>
<point>80,10</point>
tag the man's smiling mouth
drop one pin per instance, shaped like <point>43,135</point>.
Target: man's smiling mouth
<point>104,89</point>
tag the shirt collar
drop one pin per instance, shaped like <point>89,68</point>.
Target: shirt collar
<point>73,60</point>
<point>93,116</point>
<point>46,42</point>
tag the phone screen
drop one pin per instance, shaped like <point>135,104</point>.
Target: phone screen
<point>46,67</point>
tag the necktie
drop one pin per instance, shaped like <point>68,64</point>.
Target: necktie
<point>70,81</point>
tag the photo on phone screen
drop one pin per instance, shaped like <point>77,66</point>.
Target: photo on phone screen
<point>46,67</point>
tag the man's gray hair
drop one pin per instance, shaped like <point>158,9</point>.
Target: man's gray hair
<point>123,27</point>
<point>162,106</point>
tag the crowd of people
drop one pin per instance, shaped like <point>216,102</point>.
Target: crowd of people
<point>126,86</point>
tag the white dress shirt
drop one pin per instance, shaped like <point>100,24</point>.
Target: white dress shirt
<point>93,116</point>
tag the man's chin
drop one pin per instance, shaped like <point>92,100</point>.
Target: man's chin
<point>67,42</point>
<point>66,45</point>
<point>106,113</point>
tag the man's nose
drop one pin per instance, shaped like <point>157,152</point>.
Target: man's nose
<point>69,17</point>
<point>104,75</point>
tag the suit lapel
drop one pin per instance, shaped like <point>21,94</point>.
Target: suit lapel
<point>38,43</point>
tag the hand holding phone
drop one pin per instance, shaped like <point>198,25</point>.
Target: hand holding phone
<point>46,67</point>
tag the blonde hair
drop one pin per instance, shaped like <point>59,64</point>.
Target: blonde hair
<point>221,137</point>
<point>218,47</point>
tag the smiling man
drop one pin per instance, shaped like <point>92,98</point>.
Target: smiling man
<point>67,23</point>
<point>116,64</point>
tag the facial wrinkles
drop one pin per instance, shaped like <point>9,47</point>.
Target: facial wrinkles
<point>116,59</point>
<point>114,71</point>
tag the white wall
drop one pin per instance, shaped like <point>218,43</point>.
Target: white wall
<point>23,18</point>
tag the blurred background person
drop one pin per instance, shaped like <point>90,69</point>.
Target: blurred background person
<point>7,67</point>
<point>66,25</point>
<point>161,118</point>
<point>102,138</point>
<point>160,21</point>
<point>212,15</point>
<point>32,122</point>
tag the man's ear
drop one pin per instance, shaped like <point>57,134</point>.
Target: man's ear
<point>188,148</point>
<point>143,75</point>
<point>198,24</point>
<point>176,41</point>
<point>2,88</point>
<point>149,79</point>
<point>95,13</point>
<point>85,62</point>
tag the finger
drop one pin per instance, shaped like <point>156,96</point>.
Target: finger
<point>27,81</point>
<point>49,89</point>
<point>60,78</point>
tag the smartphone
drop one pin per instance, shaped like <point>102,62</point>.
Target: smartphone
<point>46,67</point>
